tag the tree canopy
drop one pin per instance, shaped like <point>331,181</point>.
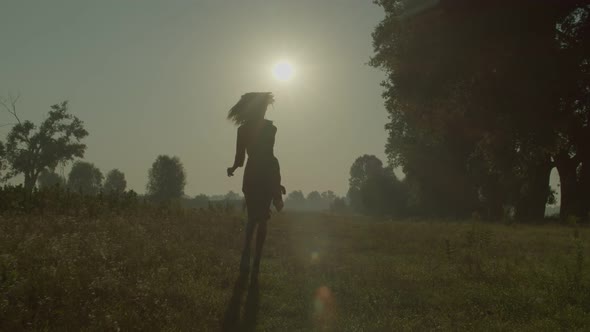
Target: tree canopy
<point>166,178</point>
<point>31,149</point>
<point>85,178</point>
<point>115,182</point>
<point>374,189</point>
<point>484,99</point>
<point>49,179</point>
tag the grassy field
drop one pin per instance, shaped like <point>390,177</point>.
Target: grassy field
<point>319,273</point>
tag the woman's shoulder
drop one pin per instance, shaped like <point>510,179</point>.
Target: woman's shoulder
<point>245,126</point>
<point>249,126</point>
<point>270,124</point>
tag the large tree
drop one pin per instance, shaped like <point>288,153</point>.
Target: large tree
<point>115,182</point>
<point>364,168</point>
<point>85,178</point>
<point>374,189</point>
<point>30,149</point>
<point>573,125</point>
<point>474,91</point>
<point>166,178</point>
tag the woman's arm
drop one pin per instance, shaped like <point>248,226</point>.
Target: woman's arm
<point>240,153</point>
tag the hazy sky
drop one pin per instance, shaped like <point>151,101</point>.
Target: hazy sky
<point>157,77</point>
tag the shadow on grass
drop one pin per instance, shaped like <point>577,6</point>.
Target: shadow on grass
<point>231,320</point>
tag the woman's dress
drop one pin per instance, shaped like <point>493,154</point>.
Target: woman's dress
<point>262,176</point>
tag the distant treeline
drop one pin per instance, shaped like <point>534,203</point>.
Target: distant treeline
<point>37,152</point>
<point>315,201</point>
<point>376,190</point>
<point>295,201</point>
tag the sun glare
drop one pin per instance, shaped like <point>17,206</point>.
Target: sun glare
<point>283,71</point>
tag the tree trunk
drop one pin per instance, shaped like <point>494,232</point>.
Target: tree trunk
<point>584,189</point>
<point>540,192</point>
<point>533,199</point>
<point>568,179</point>
<point>30,180</point>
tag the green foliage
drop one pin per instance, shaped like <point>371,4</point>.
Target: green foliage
<point>328,196</point>
<point>3,163</point>
<point>339,205</point>
<point>57,200</point>
<point>174,270</point>
<point>48,179</point>
<point>166,178</point>
<point>199,201</point>
<point>115,182</point>
<point>31,149</point>
<point>482,102</point>
<point>314,201</point>
<point>314,196</point>
<point>374,189</point>
<point>295,200</point>
<point>232,196</point>
<point>85,178</point>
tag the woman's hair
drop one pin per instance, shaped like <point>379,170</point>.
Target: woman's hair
<point>251,106</point>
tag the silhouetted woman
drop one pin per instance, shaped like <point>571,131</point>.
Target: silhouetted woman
<point>262,176</point>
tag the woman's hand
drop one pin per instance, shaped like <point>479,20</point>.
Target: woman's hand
<point>230,171</point>
<point>278,203</point>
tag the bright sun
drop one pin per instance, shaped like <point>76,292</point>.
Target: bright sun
<point>283,71</point>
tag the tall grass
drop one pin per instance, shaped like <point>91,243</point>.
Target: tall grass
<point>175,270</point>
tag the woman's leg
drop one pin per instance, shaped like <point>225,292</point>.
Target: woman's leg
<point>260,237</point>
<point>252,208</point>
<point>258,205</point>
<point>245,262</point>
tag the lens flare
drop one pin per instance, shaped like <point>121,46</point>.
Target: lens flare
<point>315,257</point>
<point>324,307</point>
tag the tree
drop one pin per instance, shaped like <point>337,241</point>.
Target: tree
<point>295,200</point>
<point>338,205</point>
<point>329,196</point>
<point>49,179</point>
<point>314,201</point>
<point>166,178</point>
<point>30,149</point>
<point>572,159</point>
<point>314,195</point>
<point>232,196</point>
<point>217,198</point>
<point>2,160</point>
<point>201,200</point>
<point>374,189</point>
<point>85,178</point>
<point>115,182</point>
<point>478,91</point>
<point>364,168</point>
